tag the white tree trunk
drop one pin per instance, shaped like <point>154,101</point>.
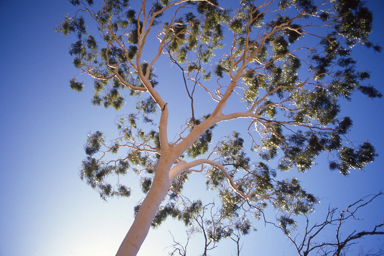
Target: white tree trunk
<point>140,227</point>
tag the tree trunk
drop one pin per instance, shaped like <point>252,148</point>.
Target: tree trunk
<point>140,227</point>
<point>159,189</point>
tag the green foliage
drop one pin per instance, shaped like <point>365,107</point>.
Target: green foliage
<point>178,184</point>
<point>356,21</point>
<point>148,105</point>
<point>163,213</point>
<point>75,85</point>
<point>215,178</point>
<point>231,203</point>
<point>285,223</point>
<point>190,211</point>
<point>200,146</point>
<point>187,215</point>
<point>355,158</point>
<point>94,143</point>
<point>232,152</point>
<point>146,185</point>
<point>123,191</point>
<point>292,198</point>
<point>95,171</point>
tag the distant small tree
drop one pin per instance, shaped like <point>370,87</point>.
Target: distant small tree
<point>309,243</point>
<point>307,239</point>
<point>213,227</point>
<point>281,64</point>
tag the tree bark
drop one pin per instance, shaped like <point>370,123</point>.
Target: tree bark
<point>140,227</point>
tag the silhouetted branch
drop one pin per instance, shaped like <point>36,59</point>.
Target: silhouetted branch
<point>308,243</point>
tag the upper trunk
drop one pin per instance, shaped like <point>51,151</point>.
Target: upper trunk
<point>161,183</point>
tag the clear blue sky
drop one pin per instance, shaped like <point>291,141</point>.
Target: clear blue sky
<point>46,210</point>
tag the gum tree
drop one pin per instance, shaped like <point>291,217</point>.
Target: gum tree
<point>308,240</point>
<point>310,244</point>
<point>283,65</point>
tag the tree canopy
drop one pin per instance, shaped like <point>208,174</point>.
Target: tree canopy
<point>282,65</point>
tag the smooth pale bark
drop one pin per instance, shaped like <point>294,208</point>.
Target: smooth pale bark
<point>140,227</point>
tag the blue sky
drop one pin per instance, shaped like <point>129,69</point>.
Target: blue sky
<point>46,210</point>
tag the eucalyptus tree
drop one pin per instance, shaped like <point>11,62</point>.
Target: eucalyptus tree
<point>309,242</point>
<point>283,65</point>
<point>212,227</point>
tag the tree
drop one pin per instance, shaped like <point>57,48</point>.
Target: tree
<point>308,243</point>
<point>214,227</point>
<point>283,65</point>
